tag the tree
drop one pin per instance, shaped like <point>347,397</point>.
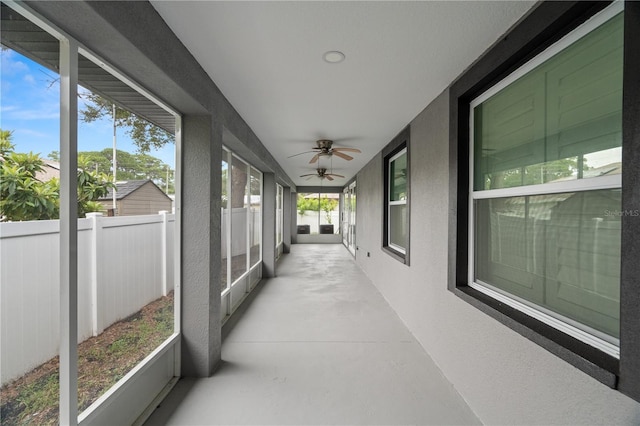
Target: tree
<point>239,179</point>
<point>303,204</point>
<point>91,187</point>
<point>24,197</point>
<point>145,135</point>
<point>537,173</point>
<point>314,204</point>
<point>129,166</point>
<point>5,143</point>
<point>327,205</point>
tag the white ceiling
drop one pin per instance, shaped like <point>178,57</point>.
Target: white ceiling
<point>267,59</point>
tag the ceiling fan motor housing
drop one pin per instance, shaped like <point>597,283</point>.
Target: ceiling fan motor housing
<point>324,144</point>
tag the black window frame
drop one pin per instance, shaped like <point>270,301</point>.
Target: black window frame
<point>399,143</point>
<point>541,27</point>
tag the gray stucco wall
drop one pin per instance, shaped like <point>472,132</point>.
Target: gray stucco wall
<point>200,241</point>
<point>505,378</point>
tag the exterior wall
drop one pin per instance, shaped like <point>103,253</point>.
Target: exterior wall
<point>318,239</point>
<point>200,240</point>
<point>505,378</point>
<point>269,225</point>
<point>145,200</point>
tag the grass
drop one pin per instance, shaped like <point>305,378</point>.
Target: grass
<point>102,361</point>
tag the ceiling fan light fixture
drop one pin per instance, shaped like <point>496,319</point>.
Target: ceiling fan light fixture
<point>333,57</point>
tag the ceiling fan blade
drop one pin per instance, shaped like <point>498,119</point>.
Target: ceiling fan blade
<point>347,150</point>
<point>333,174</point>
<point>344,156</point>
<point>314,159</point>
<point>300,153</point>
<point>310,174</point>
<point>328,177</point>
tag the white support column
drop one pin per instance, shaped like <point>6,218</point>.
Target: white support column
<point>177,248</point>
<point>249,220</point>
<point>96,237</point>
<point>68,233</point>
<point>228,215</point>
<point>293,217</point>
<point>163,250</point>
<point>287,195</point>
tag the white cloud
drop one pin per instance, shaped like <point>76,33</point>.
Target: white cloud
<point>34,114</point>
<point>11,65</point>
<point>32,110</point>
<point>32,133</point>
<point>8,108</point>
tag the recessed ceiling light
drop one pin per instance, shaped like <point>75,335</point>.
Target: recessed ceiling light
<point>333,56</point>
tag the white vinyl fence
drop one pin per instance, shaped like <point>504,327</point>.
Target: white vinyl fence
<point>123,264</point>
<point>239,230</point>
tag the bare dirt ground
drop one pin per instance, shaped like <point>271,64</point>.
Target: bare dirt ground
<point>102,361</point>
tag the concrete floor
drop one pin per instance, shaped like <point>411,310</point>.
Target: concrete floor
<point>317,345</point>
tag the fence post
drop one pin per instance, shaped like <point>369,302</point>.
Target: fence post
<point>96,235</point>
<point>164,253</point>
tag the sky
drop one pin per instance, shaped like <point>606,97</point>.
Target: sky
<point>29,106</point>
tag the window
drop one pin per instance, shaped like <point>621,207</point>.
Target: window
<point>546,146</point>
<point>225,222</point>
<point>241,230</point>
<point>349,218</point>
<point>397,225</point>
<point>100,310</point>
<point>396,195</point>
<point>543,231</point>
<point>279,215</point>
<point>255,220</point>
<point>29,345</point>
<point>318,213</point>
<point>239,224</point>
<point>329,213</point>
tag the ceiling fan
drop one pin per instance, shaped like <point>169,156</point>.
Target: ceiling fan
<point>322,174</point>
<point>324,147</point>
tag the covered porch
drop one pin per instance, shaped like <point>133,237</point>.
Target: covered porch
<point>318,344</point>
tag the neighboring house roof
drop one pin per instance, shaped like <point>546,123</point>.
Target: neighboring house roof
<point>50,170</point>
<point>125,188</point>
<point>609,169</point>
